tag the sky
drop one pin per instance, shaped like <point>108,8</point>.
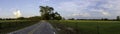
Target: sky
<point>82,9</point>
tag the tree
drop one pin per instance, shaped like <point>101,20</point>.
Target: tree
<point>21,18</point>
<point>47,13</point>
<point>104,19</point>
<point>118,18</point>
<point>35,18</point>
<point>46,10</point>
<point>56,16</point>
<point>71,19</point>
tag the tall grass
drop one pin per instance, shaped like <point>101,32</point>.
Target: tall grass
<point>7,26</point>
<point>89,27</point>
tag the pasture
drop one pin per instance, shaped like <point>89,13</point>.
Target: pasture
<point>86,27</point>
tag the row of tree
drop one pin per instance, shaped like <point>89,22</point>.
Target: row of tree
<point>117,19</point>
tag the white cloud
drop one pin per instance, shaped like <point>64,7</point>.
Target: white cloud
<point>101,8</point>
<point>116,7</point>
<point>81,14</point>
<point>17,13</point>
<point>105,13</point>
<point>68,6</point>
<point>108,6</point>
<point>73,6</point>
<point>101,11</point>
<point>113,6</point>
<point>47,0</point>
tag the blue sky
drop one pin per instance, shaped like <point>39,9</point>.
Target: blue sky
<point>67,8</point>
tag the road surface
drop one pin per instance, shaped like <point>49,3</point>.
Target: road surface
<point>39,28</point>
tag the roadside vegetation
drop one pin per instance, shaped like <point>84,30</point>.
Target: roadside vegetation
<point>7,26</point>
<point>86,27</point>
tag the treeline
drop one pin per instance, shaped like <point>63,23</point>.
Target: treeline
<point>23,18</point>
<point>117,19</point>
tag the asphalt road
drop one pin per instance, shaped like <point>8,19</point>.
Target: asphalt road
<point>39,28</point>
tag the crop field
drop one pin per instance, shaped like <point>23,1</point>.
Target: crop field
<point>86,27</point>
<point>7,26</point>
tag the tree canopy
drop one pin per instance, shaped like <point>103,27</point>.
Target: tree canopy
<point>47,13</point>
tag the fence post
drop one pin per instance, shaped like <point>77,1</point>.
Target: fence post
<point>98,32</point>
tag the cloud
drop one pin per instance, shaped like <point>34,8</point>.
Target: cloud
<point>102,12</point>
<point>116,7</point>
<point>73,6</point>
<point>68,6</point>
<point>80,14</point>
<point>48,0</point>
<point>17,13</point>
<point>107,7</point>
<point>44,0</point>
<point>86,8</point>
<point>105,13</point>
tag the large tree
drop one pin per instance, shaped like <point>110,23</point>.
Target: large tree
<point>47,13</point>
<point>46,10</point>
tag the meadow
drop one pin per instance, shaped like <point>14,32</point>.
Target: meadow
<point>7,26</point>
<point>86,27</point>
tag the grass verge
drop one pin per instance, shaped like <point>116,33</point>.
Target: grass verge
<point>86,27</point>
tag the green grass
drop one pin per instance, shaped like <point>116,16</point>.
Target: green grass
<point>88,27</point>
<point>7,26</point>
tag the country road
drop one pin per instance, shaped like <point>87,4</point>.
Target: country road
<point>39,28</point>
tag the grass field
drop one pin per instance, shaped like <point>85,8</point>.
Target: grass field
<point>86,27</point>
<point>7,26</point>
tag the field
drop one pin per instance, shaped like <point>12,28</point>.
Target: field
<point>7,26</point>
<point>86,27</point>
